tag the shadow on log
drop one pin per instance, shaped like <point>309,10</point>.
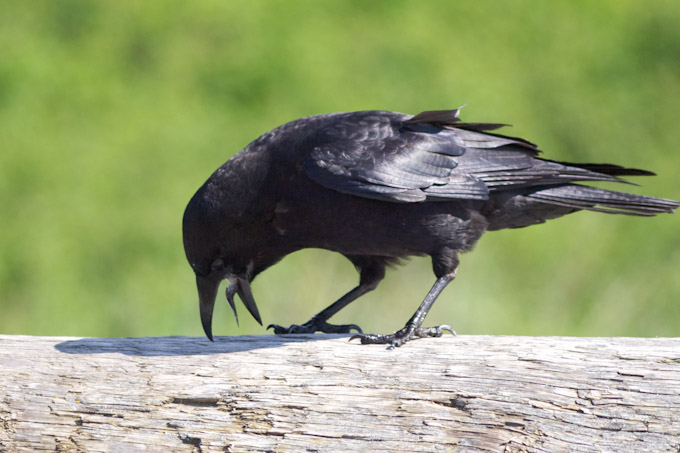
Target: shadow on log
<point>321,393</point>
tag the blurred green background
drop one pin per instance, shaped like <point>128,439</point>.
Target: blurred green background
<point>113,113</point>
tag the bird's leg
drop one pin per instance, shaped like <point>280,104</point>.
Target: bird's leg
<point>413,326</point>
<point>372,271</point>
<point>319,323</point>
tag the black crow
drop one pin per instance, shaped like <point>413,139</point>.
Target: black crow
<point>378,186</point>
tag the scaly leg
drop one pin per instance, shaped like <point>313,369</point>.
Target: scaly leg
<point>413,326</point>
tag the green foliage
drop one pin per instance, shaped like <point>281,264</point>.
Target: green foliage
<point>113,113</point>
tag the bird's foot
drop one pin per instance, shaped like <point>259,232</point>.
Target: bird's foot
<point>398,338</point>
<point>312,326</point>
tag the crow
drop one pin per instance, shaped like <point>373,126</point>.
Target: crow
<point>377,187</point>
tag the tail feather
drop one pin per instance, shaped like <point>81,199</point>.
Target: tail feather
<point>601,200</point>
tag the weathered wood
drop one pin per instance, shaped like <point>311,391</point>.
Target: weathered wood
<point>321,393</point>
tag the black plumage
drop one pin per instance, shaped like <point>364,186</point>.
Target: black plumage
<point>379,186</point>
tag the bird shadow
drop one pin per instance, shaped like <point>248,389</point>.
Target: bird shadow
<point>185,346</point>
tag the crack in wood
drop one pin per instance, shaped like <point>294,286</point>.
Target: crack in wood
<point>457,403</point>
<point>196,401</point>
<point>190,440</point>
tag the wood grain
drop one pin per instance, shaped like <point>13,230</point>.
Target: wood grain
<point>322,393</point>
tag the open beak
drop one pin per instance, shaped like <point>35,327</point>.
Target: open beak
<point>207,292</point>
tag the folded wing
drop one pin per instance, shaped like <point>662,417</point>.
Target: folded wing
<point>433,156</point>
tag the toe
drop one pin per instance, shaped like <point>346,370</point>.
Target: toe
<point>344,328</point>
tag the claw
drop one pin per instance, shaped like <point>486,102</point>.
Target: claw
<point>280,330</point>
<point>449,329</point>
<point>437,331</point>
<point>355,327</point>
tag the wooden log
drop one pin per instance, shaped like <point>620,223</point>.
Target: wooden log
<point>322,393</point>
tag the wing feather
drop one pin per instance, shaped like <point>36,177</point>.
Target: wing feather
<point>433,156</point>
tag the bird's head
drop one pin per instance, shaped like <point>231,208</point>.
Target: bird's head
<point>206,244</point>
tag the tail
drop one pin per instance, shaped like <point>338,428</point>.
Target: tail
<point>601,200</point>
<point>552,182</point>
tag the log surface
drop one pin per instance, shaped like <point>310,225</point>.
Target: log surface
<point>321,393</point>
